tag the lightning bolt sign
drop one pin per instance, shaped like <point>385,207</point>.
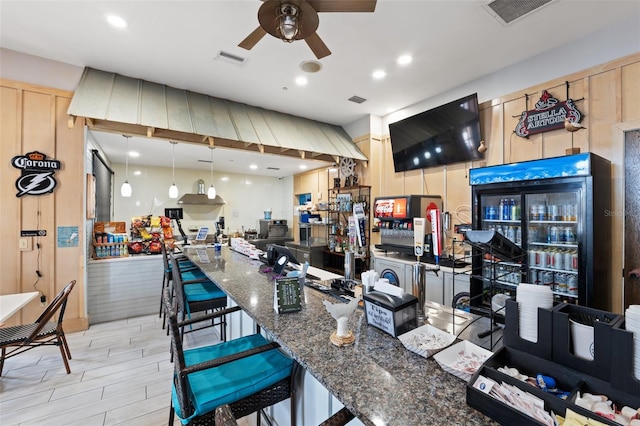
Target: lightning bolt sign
<point>35,183</point>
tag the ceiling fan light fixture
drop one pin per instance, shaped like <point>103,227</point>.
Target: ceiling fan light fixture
<point>288,20</point>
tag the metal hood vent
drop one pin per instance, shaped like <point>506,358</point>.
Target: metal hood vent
<point>121,104</point>
<point>201,199</point>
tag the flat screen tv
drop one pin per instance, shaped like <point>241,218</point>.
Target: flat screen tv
<point>444,135</point>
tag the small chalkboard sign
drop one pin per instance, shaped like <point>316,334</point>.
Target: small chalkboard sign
<point>287,297</point>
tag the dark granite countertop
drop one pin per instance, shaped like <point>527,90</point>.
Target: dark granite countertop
<point>376,378</point>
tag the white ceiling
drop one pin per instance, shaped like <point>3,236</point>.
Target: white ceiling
<point>177,43</point>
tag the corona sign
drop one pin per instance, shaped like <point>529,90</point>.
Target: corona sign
<point>37,173</point>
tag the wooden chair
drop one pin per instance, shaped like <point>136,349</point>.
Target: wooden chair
<point>249,374</point>
<point>45,331</point>
<point>197,295</point>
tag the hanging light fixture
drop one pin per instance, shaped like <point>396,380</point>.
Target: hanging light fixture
<point>173,189</point>
<point>288,20</point>
<point>211,193</point>
<point>125,189</point>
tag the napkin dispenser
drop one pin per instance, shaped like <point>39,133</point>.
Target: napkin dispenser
<point>391,314</point>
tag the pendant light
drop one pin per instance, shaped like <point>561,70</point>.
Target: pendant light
<point>211,193</point>
<point>173,190</point>
<point>125,189</point>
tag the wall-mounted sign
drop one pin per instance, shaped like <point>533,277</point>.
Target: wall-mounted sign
<point>34,233</point>
<point>549,114</point>
<point>37,173</point>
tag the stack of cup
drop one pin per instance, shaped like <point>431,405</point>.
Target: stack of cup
<point>632,323</point>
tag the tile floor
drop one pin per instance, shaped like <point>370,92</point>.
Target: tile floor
<point>120,375</point>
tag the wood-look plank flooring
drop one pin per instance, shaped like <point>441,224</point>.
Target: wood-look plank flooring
<point>120,375</point>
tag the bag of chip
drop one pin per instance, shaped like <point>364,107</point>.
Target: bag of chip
<point>165,222</point>
<point>168,233</point>
<point>144,234</point>
<point>155,247</point>
<point>135,247</point>
<point>154,222</point>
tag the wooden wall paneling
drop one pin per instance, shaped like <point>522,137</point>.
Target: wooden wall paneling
<point>492,133</point>
<point>456,198</point>
<point>420,181</point>
<point>604,112</point>
<point>630,85</point>
<point>10,105</point>
<point>393,183</point>
<point>376,177</point>
<point>578,90</point>
<point>69,207</point>
<point>38,212</point>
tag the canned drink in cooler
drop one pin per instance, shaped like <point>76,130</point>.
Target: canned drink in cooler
<point>552,234</point>
<point>542,259</point>
<point>569,235</point>
<point>533,258</point>
<point>574,260</point>
<point>558,261</point>
<point>553,212</point>
<point>572,284</point>
<point>533,276</point>
<point>561,283</point>
<point>546,278</point>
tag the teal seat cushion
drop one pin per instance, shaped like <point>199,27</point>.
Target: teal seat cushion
<point>192,275</point>
<point>205,290</point>
<point>235,380</point>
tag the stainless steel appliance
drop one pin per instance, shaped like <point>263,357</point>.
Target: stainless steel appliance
<point>395,215</point>
<point>273,228</point>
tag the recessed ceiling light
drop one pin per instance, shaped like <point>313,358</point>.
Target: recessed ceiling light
<point>379,74</point>
<point>253,167</point>
<point>116,21</point>
<point>301,81</point>
<point>310,66</point>
<point>404,59</point>
<point>134,154</point>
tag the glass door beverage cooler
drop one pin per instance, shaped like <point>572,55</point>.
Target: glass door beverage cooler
<point>555,210</point>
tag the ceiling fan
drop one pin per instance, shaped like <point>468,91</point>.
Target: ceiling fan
<point>291,20</point>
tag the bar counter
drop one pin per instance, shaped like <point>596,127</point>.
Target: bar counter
<point>376,378</point>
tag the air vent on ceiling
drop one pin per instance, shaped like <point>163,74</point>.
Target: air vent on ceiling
<point>273,168</point>
<point>508,11</point>
<point>229,57</point>
<point>357,99</point>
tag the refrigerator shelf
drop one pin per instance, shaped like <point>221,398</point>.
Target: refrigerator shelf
<point>516,221</point>
<point>562,245</point>
<point>489,262</point>
<point>562,271</point>
<point>546,222</point>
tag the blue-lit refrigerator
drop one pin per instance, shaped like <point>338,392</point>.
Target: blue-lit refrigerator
<point>555,209</point>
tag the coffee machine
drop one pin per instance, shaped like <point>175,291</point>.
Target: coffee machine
<point>395,216</point>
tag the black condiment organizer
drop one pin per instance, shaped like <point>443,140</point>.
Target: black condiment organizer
<point>622,376</point>
<point>511,335</point>
<point>554,358</point>
<point>603,323</point>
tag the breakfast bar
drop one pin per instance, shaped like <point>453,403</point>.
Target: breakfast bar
<point>376,378</point>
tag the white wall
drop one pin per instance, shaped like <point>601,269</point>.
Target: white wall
<point>247,196</point>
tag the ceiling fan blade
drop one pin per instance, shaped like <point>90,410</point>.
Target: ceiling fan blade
<point>317,46</point>
<point>343,5</point>
<point>253,38</point>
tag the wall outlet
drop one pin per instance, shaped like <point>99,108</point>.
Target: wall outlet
<point>24,244</point>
